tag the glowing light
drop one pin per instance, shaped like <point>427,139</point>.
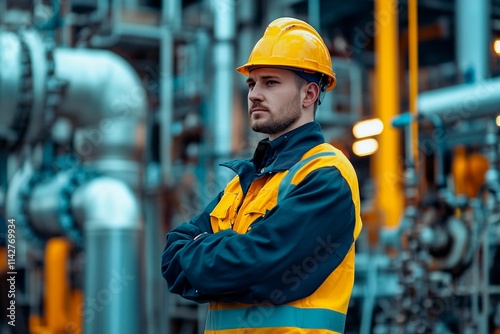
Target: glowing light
<point>365,147</point>
<point>367,128</point>
<point>498,120</point>
<point>496,46</point>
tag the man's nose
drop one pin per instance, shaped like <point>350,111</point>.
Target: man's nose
<point>255,94</point>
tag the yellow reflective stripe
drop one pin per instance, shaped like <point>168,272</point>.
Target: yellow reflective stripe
<point>276,316</point>
<point>286,183</point>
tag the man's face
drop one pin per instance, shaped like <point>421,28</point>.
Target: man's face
<point>273,101</point>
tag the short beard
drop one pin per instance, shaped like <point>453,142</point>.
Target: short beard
<point>291,113</point>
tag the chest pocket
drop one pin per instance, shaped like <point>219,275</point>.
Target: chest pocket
<point>224,214</point>
<point>255,207</point>
<point>234,211</point>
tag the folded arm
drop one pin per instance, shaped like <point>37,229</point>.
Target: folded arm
<point>312,226</point>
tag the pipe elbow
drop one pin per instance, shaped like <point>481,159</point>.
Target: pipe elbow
<point>106,102</point>
<point>100,85</point>
<point>106,203</point>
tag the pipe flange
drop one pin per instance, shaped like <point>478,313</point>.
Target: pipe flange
<point>68,224</point>
<point>21,118</point>
<point>54,90</point>
<point>33,236</point>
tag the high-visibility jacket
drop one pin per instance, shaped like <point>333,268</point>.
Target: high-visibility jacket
<point>278,255</point>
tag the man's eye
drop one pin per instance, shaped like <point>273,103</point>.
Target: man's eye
<point>271,82</point>
<point>251,85</point>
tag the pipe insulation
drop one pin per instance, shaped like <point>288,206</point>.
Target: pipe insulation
<point>224,34</point>
<point>44,205</point>
<point>109,212</point>
<point>103,97</point>
<point>105,100</point>
<point>462,102</point>
<point>473,38</point>
<point>10,79</point>
<point>23,76</point>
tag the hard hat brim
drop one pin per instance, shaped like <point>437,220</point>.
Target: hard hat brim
<point>246,68</point>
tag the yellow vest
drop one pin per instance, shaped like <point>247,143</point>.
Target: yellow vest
<point>323,311</point>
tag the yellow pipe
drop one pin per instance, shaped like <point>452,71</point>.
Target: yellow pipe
<point>3,259</point>
<point>387,169</point>
<point>35,323</point>
<point>56,284</point>
<point>413,88</point>
<point>75,312</point>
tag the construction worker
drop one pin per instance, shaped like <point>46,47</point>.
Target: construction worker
<point>274,252</point>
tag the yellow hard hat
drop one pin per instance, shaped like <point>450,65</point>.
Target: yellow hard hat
<point>289,42</point>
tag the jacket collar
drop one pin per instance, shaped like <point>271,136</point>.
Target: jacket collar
<point>280,154</point>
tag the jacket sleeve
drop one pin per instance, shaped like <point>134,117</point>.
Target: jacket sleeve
<point>176,240</point>
<point>286,255</point>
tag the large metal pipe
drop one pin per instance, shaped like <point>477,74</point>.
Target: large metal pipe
<point>387,170</point>
<point>23,76</point>
<point>472,38</point>
<point>462,102</point>
<point>109,212</point>
<point>314,13</point>
<point>106,102</point>
<point>10,79</point>
<point>224,33</point>
<point>44,205</point>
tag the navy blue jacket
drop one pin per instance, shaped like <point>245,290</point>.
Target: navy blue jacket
<point>231,267</point>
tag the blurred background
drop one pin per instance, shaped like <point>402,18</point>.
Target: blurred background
<point>114,116</point>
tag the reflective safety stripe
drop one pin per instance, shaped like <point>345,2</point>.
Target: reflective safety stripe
<point>286,183</point>
<point>276,316</point>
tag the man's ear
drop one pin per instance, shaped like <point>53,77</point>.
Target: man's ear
<point>311,94</point>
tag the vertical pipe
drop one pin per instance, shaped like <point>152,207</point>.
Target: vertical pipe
<point>485,265</point>
<point>472,39</point>
<point>388,174</point>
<point>74,316</point>
<point>246,15</point>
<point>109,212</point>
<point>102,9</point>
<point>166,104</point>
<point>314,13</point>
<point>413,88</point>
<point>472,49</point>
<point>154,234</point>
<point>170,22</point>
<point>56,284</point>
<point>224,33</point>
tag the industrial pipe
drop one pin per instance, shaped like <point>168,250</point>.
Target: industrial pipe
<point>23,77</point>
<point>44,205</point>
<point>104,99</point>
<point>462,102</point>
<point>387,170</point>
<point>106,102</point>
<point>10,78</point>
<point>57,285</point>
<point>224,34</point>
<point>478,97</point>
<point>109,212</point>
<point>472,42</point>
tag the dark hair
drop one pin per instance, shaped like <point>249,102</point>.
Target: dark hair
<point>301,82</point>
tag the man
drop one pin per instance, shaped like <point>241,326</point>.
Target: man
<point>274,252</point>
